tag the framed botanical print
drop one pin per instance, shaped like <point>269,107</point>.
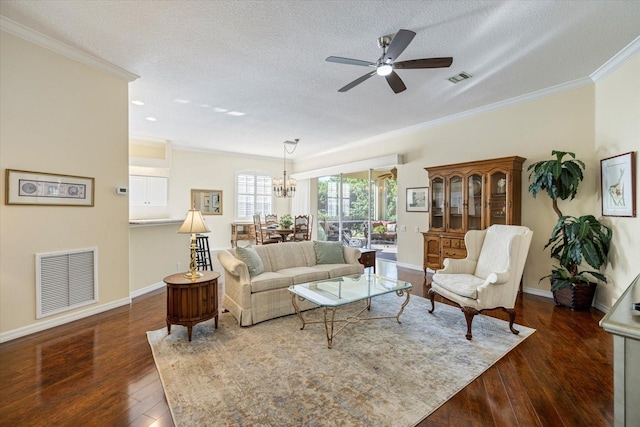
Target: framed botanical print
<point>618,185</point>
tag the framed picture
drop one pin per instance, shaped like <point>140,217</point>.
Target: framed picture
<point>618,183</point>
<point>417,199</point>
<point>208,202</point>
<point>48,189</point>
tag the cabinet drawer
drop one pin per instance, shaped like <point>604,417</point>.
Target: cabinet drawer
<point>446,243</point>
<point>457,243</point>
<point>453,253</point>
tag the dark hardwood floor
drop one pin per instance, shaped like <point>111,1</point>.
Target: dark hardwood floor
<point>100,371</point>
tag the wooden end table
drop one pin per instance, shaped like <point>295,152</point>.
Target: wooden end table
<point>191,301</point>
<point>368,258</point>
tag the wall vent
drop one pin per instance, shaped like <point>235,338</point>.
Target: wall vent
<point>66,280</point>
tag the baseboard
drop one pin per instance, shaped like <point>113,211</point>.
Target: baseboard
<point>48,324</point>
<point>409,266</point>
<point>147,289</point>
<point>538,292</point>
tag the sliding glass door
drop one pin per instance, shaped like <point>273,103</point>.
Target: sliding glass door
<point>359,209</point>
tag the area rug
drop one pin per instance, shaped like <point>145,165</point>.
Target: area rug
<point>378,373</point>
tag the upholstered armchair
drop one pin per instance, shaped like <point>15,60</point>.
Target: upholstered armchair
<point>489,277</point>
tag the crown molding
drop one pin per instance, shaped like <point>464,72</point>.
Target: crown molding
<point>628,52</point>
<point>56,46</point>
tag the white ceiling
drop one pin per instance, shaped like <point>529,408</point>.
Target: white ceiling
<point>267,59</point>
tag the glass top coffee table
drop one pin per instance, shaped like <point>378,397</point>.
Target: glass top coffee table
<point>339,291</point>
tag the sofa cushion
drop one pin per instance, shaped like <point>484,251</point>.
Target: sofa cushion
<point>304,274</point>
<point>287,255</point>
<point>270,280</point>
<point>337,270</point>
<point>249,256</point>
<point>329,252</point>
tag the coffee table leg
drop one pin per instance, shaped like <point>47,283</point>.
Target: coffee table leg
<point>404,304</point>
<point>295,306</point>
<point>326,325</point>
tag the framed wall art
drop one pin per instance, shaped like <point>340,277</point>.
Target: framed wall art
<point>618,183</point>
<point>208,202</point>
<point>48,189</point>
<point>417,199</point>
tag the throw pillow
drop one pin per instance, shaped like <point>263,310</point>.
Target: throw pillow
<point>329,252</point>
<point>249,256</point>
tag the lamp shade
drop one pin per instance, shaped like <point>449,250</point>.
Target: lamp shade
<point>193,223</point>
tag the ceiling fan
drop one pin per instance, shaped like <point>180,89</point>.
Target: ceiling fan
<point>392,174</point>
<point>392,47</point>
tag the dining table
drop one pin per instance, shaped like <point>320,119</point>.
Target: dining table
<point>283,232</point>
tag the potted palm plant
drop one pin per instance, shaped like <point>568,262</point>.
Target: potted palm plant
<point>573,239</point>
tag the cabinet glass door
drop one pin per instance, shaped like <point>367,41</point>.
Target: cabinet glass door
<point>437,204</point>
<point>456,206</point>
<point>474,210</point>
<point>498,198</point>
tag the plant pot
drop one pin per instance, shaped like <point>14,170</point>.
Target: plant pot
<point>578,297</point>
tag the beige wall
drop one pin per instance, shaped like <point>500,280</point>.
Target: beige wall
<point>617,129</point>
<point>59,116</point>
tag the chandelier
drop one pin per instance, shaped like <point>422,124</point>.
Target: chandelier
<point>283,187</point>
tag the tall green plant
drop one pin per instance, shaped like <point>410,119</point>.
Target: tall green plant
<point>573,239</point>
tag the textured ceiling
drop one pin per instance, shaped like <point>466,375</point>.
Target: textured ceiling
<point>267,59</point>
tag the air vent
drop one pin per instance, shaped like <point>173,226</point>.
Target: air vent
<point>459,77</point>
<point>66,280</point>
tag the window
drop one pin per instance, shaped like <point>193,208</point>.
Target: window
<point>253,195</point>
<point>333,197</point>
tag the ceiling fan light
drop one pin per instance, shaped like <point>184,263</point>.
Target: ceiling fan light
<point>384,70</point>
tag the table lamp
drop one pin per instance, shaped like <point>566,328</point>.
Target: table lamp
<point>194,223</point>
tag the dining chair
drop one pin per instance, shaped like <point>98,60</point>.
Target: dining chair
<point>300,228</point>
<point>271,221</point>
<point>261,235</point>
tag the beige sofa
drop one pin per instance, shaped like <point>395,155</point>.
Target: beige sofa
<point>263,294</point>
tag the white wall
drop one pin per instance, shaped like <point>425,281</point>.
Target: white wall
<point>59,116</point>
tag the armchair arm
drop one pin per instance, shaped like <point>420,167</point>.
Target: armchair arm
<point>458,266</point>
<point>498,278</point>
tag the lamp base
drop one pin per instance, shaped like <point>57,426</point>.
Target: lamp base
<point>193,275</point>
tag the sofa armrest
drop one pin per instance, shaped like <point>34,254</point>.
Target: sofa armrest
<point>352,255</point>
<point>237,287</point>
<point>233,265</point>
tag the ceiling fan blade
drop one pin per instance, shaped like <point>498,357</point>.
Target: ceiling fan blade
<point>424,63</point>
<point>399,43</point>
<point>356,82</point>
<point>350,61</point>
<point>395,82</point>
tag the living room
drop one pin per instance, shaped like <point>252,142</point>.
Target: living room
<point>60,115</point>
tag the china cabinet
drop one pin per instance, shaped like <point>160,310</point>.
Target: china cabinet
<point>469,196</point>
